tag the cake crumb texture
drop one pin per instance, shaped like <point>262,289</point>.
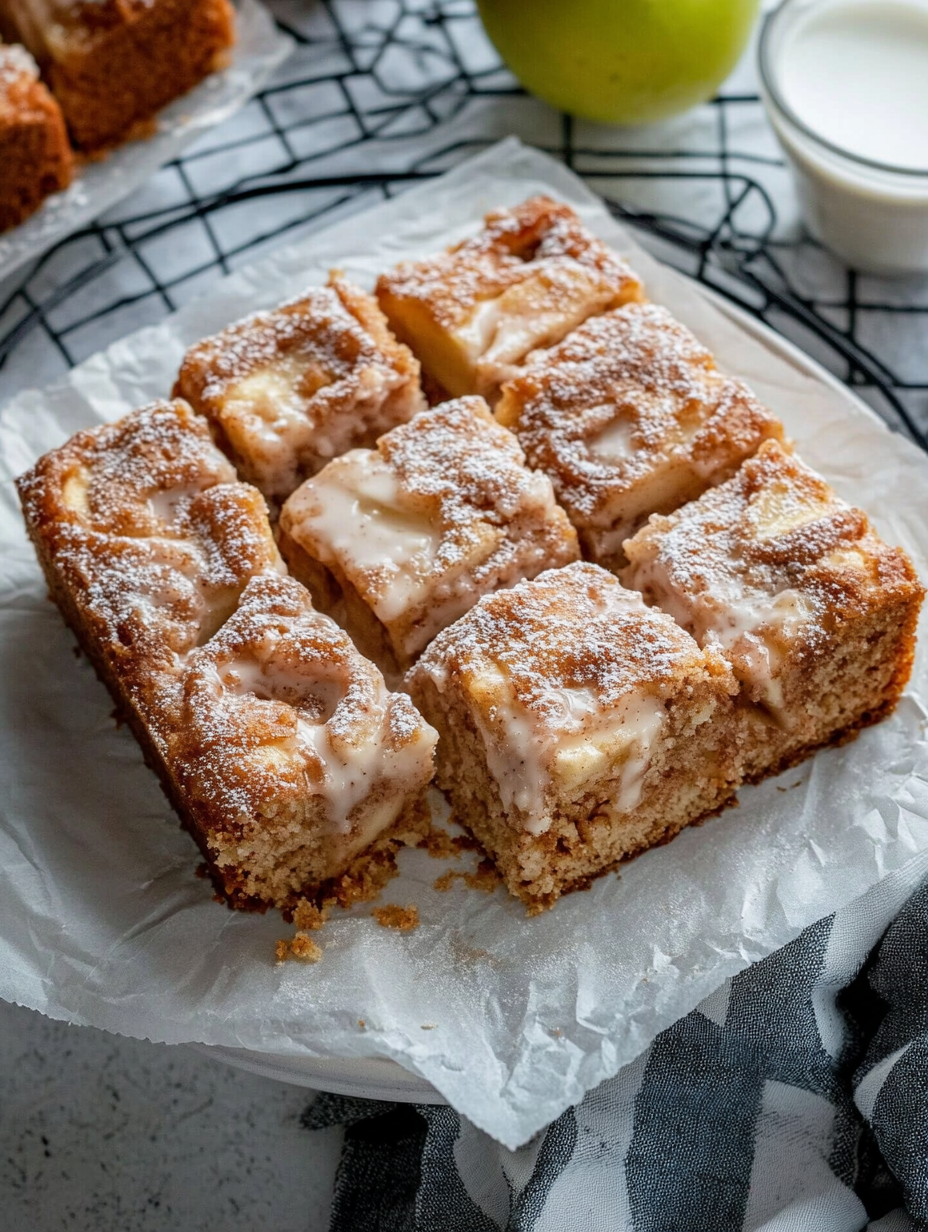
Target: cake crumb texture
<point>35,155</point>
<point>113,64</point>
<point>404,919</point>
<point>300,947</point>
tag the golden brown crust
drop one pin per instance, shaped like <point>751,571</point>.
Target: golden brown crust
<point>113,64</point>
<point>815,613</point>
<point>35,155</point>
<point>536,266</point>
<point>277,743</point>
<point>142,526</point>
<point>577,728</point>
<point>287,390</point>
<point>629,416</point>
<point>451,484</point>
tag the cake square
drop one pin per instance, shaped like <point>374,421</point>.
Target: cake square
<point>630,416</point>
<point>473,313</point>
<point>276,742</point>
<point>400,541</point>
<point>289,756</point>
<point>147,541</point>
<point>814,612</point>
<point>113,64</point>
<point>577,727</point>
<point>35,156</point>
<point>287,390</point>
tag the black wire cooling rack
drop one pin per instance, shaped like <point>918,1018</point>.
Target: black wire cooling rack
<point>381,93</point>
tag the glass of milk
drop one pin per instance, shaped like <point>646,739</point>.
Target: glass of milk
<point>845,83</point>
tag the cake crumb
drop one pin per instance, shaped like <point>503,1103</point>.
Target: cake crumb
<point>300,947</point>
<point>429,1026</point>
<point>392,916</point>
<point>443,846</point>
<point>202,871</point>
<point>486,878</point>
<point>361,1023</point>
<point>439,844</point>
<point>308,917</point>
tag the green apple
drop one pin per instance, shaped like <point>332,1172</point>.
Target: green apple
<point>620,61</point>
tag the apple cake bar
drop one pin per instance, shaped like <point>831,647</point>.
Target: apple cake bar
<point>473,313</point>
<point>400,541</point>
<point>577,727</point>
<point>146,540</point>
<point>289,754</point>
<point>35,156</point>
<point>814,612</point>
<point>113,64</point>
<point>287,390</point>
<point>277,743</point>
<point>630,416</point>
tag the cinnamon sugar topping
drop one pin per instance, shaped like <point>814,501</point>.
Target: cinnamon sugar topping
<point>474,312</point>
<point>444,511</point>
<point>289,389</point>
<point>629,416</point>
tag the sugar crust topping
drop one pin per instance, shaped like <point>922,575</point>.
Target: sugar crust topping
<point>765,565</point>
<point>474,312</point>
<point>17,67</point>
<point>295,386</point>
<point>146,522</point>
<point>280,700</point>
<point>537,231</point>
<point>564,674</point>
<point>319,325</point>
<point>624,394</point>
<point>573,628</point>
<point>444,508</point>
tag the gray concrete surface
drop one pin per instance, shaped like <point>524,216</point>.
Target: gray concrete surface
<point>104,1134</point>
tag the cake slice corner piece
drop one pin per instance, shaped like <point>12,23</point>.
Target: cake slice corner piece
<point>815,613</point>
<point>473,312</point>
<point>298,769</point>
<point>35,155</point>
<point>577,728</point>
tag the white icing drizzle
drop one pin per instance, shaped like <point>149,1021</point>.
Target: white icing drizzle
<point>584,739</point>
<point>358,514</point>
<point>565,679</point>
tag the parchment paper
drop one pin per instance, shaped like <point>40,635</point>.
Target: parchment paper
<point>260,47</point>
<point>102,920</point>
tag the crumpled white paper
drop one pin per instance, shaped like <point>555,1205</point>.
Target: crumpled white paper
<point>260,47</point>
<point>102,920</point>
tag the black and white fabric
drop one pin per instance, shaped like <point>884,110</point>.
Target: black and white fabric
<point>794,1099</point>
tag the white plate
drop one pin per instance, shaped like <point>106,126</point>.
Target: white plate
<point>260,47</point>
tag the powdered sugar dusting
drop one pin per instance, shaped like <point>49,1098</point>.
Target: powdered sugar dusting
<point>574,628</point>
<point>153,537</point>
<point>291,388</point>
<point>457,479</point>
<point>280,711</point>
<point>16,67</point>
<point>565,677</point>
<point>634,378</point>
<point>511,247</point>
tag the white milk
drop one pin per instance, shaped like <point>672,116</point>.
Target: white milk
<point>857,75</point>
<point>846,86</point>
